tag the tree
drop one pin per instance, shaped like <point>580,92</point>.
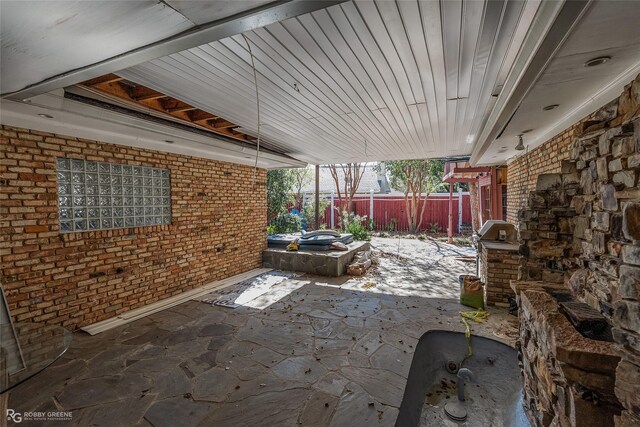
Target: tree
<point>347,184</point>
<point>279,184</point>
<point>300,177</point>
<point>475,206</point>
<point>417,178</point>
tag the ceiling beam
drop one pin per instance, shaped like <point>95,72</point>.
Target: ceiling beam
<point>106,79</point>
<point>198,116</point>
<point>150,97</point>
<point>181,109</point>
<point>142,95</point>
<point>202,34</point>
<point>222,124</point>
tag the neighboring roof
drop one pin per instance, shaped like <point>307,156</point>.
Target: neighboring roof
<point>327,184</point>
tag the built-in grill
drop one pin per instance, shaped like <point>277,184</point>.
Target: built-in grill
<point>498,260</point>
<point>497,231</point>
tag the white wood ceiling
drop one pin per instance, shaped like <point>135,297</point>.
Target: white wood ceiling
<point>44,38</point>
<point>361,81</point>
<point>41,39</point>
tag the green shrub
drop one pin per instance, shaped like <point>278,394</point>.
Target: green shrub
<point>392,225</point>
<point>434,227</point>
<point>356,225</point>
<point>309,212</point>
<point>284,223</point>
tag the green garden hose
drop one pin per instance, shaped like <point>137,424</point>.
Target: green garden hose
<point>478,316</point>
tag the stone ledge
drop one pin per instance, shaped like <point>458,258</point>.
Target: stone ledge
<point>569,346</point>
<point>323,263</point>
<point>519,286</point>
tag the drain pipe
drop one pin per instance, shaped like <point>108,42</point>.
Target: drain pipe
<point>317,212</point>
<point>478,246</point>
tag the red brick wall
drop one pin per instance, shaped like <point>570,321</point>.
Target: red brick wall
<point>497,269</point>
<point>523,171</point>
<point>75,279</point>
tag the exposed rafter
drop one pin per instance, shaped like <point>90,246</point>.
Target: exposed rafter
<point>132,92</point>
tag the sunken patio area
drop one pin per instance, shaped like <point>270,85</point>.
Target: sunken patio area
<point>331,351</point>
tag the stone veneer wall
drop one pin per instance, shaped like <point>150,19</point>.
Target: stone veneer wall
<point>523,171</point>
<point>75,279</point>
<point>582,228</point>
<point>569,380</point>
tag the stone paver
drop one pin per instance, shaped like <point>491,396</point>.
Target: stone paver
<point>319,351</point>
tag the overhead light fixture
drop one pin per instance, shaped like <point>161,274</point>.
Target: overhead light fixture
<point>550,107</point>
<point>45,116</point>
<point>597,61</point>
<point>470,139</point>
<point>169,141</point>
<point>520,145</point>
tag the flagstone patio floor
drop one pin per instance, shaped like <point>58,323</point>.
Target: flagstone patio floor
<point>330,351</point>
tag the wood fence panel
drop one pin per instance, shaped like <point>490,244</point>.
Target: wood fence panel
<point>386,209</point>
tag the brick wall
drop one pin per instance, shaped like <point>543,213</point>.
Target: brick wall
<point>75,279</point>
<point>498,268</point>
<point>523,171</point>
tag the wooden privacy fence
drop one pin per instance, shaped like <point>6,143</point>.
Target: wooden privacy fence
<point>389,211</point>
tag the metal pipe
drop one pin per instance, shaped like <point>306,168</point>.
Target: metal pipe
<point>317,213</point>
<point>450,213</point>
<point>463,374</point>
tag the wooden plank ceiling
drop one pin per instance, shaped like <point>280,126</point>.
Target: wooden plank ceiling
<point>361,81</point>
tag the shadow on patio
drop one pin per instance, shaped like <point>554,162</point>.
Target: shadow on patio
<point>329,352</point>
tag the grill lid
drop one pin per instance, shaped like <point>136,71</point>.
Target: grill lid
<point>491,231</point>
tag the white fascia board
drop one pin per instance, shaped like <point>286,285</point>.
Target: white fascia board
<point>80,120</point>
<point>553,23</point>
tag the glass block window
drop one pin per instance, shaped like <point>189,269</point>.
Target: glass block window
<point>96,195</point>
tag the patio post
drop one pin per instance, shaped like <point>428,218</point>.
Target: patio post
<point>459,209</point>
<point>450,213</point>
<point>333,195</point>
<point>317,213</point>
<point>371,205</point>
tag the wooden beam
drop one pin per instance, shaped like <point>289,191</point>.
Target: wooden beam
<point>150,97</point>
<point>160,102</point>
<point>181,109</point>
<point>223,124</point>
<point>107,78</point>
<point>197,116</point>
<point>471,169</point>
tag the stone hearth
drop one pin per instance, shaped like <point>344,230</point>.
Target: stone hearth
<point>569,380</point>
<point>581,232</point>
